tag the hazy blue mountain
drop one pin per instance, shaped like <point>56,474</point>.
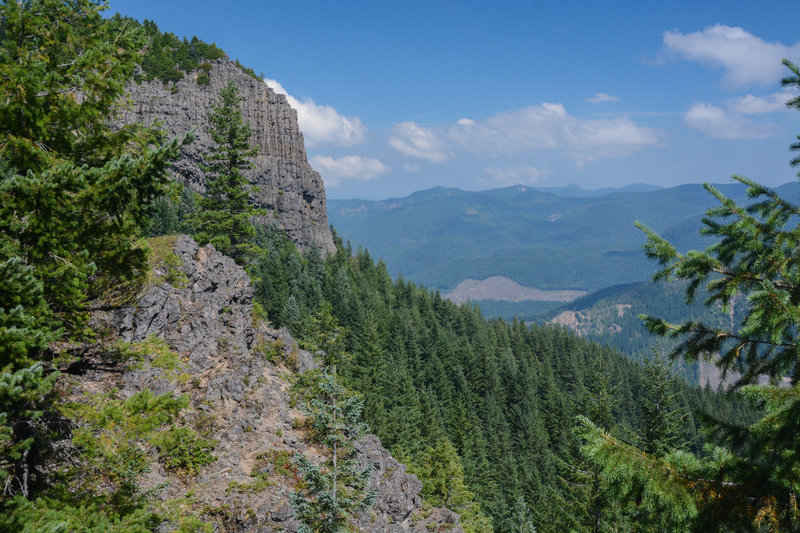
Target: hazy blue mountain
<point>441,236</point>
<point>574,191</point>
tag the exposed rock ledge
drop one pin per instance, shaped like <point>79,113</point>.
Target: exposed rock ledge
<point>208,320</point>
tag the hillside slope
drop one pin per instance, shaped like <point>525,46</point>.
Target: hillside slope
<point>239,398</point>
<point>440,237</point>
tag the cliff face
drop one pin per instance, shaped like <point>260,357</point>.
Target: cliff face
<point>240,396</point>
<point>285,184</point>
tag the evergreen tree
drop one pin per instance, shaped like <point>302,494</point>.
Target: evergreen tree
<point>74,193</point>
<point>443,485</point>
<point>752,477</point>
<point>662,418</point>
<point>225,211</point>
<point>335,491</point>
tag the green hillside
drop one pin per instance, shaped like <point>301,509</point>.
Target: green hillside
<point>441,236</point>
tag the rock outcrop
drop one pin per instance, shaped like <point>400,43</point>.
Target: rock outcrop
<point>284,183</point>
<point>237,381</point>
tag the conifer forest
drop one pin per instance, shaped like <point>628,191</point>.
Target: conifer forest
<point>513,426</point>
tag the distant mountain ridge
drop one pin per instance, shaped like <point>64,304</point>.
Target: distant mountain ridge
<point>442,236</point>
<point>575,191</point>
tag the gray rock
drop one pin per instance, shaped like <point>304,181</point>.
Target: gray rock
<point>241,400</point>
<point>285,184</point>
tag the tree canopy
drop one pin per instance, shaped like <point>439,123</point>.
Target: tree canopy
<point>749,477</point>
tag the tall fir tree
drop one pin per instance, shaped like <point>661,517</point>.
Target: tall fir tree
<point>224,217</point>
<point>751,478</point>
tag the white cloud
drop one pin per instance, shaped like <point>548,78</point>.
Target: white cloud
<point>718,123</point>
<point>350,167</point>
<point>756,105</point>
<point>322,124</point>
<point>415,141</point>
<point>518,175</point>
<point>549,127</point>
<point>746,58</point>
<point>602,97</point>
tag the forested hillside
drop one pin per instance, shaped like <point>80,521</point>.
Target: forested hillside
<point>441,236</point>
<point>502,394</point>
<point>515,428</point>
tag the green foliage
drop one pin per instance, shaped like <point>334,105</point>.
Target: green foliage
<point>249,71</point>
<point>70,181</point>
<point>26,322</point>
<point>754,257</point>
<point>165,264</point>
<point>183,450</point>
<point>751,476</point>
<point>25,396</point>
<point>224,215</point>
<point>73,196</point>
<point>652,488</point>
<point>172,212</point>
<point>443,485</point>
<point>333,492</point>
<point>662,417</point>
<point>168,58</point>
<point>503,394</point>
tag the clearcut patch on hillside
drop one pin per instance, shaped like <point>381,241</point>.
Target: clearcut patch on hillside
<point>502,288</point>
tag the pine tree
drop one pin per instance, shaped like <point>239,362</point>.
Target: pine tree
<point>74,193</point>
<point>225,211</point>
<point>443,485</point>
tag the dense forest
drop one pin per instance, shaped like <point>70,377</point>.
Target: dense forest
<point>516,428</point>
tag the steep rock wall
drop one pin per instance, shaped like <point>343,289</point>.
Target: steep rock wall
<point>285,184</point>
<point>206,315</point>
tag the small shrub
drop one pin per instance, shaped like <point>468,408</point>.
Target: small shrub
<point>260,482</point>
<point>182,449</point>
<point>203,79</point>
<point>272,351</point>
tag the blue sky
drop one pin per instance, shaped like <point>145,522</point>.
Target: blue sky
<point>398,96</point>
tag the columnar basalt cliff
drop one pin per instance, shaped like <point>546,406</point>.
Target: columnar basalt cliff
<point>284,183</point>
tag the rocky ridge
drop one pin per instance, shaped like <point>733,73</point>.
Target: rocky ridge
<point>284,184</point>
<point>206,315</point>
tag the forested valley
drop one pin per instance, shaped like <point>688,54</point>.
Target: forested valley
<point>514,427</point>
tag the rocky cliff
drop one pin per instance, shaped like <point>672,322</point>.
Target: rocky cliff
<point>285,184</point>
<point>236,373</point>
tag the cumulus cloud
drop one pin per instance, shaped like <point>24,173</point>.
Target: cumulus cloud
<point>719,123</point>
<point>746,58</point>
<point>412,140</point>
<point>756,105</point>
<point>548,126</point>
<point>349,167</point>
<point>602,97</point>
<point>524,175</point>
<point>322,124</point>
